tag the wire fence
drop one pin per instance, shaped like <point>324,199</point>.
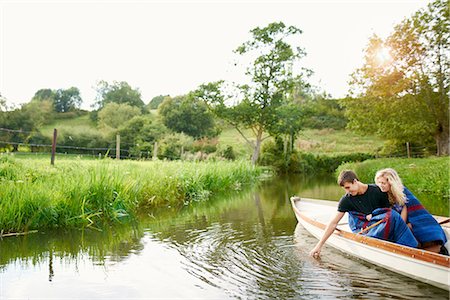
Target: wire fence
<point>22,142</point>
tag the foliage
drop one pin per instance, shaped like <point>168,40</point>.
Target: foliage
<point>80,139</point>
<point>119,93</point>
<point>205,145</point>
<point>172,145</point>
<point>320,113</point>
<point>113,115</point>
<point>67,100</point>
<point>21,125</point>
<point>271,80</point>
<point>185,114</point>
<point>274,155</point>
<point>44,95</point>
<point>63,100</point>
<point>156,101</point>
<point>39,112</point>
<point>405,97</point>
<point>139,134</point>
<point>93,193</point>
<point>228,153</point>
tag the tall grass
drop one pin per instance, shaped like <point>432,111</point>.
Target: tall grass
<point>76,193</point>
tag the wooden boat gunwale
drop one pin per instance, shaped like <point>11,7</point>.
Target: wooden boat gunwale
<point>418,254</point>
<point>419,264</point>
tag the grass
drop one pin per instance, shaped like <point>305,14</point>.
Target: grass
<point>76,193</point>
<point>323,141</point>
<point>318,141</point>
<point>79,124</point>
<point>330,141</point>
<point>427,178</point>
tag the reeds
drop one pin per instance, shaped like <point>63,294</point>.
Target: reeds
<point>76,193</point>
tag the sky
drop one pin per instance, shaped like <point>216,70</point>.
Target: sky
<point>171,47</point>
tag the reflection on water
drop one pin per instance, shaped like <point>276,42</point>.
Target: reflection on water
<point>246,246</point>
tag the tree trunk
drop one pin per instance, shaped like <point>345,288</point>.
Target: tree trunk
<point>257,147</point>
<point>442,139</point>
<point>256,150</point>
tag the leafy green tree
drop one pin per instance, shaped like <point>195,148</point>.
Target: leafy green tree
<point>113,115</point>
<point>404,96</point>
<point>44,94</point>
<point>63,100</point>
<point>67,100</point>
<point>40,112</point>
<point>139,134</point>
<point>320,112</point>
<point>273,74</point>
<point>172,144</point>
<point>188,115</point>
<point>156,101</point>
<point>119,93</point>
<point>20,127</point>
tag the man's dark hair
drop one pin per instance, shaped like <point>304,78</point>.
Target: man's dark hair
<point>346,176</point>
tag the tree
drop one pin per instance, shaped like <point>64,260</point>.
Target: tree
<point>118,92</point>
<point>405,95</point>
<point>19,127</point>
<point>67,100</point>
<point>40,112</point>
<point>186,114</point>
<point>44,94</point>
<point>61,99</point>
<point>113,115</point>
<point>139,134</point>
<point>272,81</point>
<point>156,101</point>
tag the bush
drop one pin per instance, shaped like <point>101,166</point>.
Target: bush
<point>302,162</point>
<point>228,153</point>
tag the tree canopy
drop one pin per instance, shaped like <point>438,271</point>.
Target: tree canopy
<point>185,114</point>
<point>156,101</point>
<point>118,92</point>
<point>63,100</point>
<point>402,90</point>
<point>273,73</point>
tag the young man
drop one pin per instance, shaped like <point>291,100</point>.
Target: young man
<point>359,197</point>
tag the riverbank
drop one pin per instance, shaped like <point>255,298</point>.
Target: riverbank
<point>427,178</point>
<point>76,193</point>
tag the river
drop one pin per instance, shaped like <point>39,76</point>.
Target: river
<point>240,246</point>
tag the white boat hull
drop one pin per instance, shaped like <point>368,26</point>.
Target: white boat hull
<point>415,263</point>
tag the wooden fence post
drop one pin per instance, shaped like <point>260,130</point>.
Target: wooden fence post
<point>118,146</point>
<point>408,152</point>
<point>55,133</point>
<point>155,151</point>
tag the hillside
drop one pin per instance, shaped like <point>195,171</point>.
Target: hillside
<point>324,141</point>
<point>318,141</point>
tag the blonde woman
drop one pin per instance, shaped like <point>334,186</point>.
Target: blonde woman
<point>423,225</point>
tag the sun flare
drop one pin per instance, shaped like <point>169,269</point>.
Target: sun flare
<point>383,55</point>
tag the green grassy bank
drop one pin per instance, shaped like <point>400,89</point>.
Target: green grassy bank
<point>427,178</point>
<point>76,192</point>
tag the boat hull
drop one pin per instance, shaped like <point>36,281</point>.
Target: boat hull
<point>421,265</point>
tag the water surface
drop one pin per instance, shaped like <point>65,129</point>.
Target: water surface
<point>244,246</point>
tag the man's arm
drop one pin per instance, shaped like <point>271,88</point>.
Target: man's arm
<point>328,232</point>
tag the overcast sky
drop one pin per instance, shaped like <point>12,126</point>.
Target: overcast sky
<point>171,47</point>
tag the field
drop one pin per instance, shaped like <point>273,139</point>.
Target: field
<point>324,141</point>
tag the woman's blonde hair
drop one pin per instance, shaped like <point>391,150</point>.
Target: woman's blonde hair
<point>395,194</point>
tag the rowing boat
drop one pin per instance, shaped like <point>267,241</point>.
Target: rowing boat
<point>419,264</point>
